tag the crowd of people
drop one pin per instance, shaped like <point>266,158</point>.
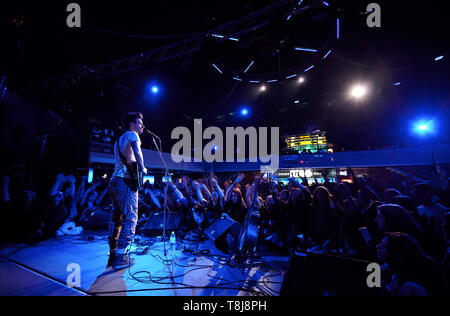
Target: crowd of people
<point>63,211</point>
<point>405,229</point>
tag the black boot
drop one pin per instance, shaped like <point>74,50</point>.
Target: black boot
<point>122,261</point>
<point>112,254</point>
<point>112,250</point>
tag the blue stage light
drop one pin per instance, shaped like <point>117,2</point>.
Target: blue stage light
<point>248,67</point>
<point>326,55</point>
<point>337,28</point>
<point>306,49</point>
<point>150,179</point>
<point>217,68</point>
<point>91,175</point>
<point>154,89</point>
<point>244,112</point>
<point>423,127</point>
<point>309,68</point>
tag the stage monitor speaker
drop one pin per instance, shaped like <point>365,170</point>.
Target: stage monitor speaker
<point>224,232</point>
<point>155,225</point>
<point>323,275</point>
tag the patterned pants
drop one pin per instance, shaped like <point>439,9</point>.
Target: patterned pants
<point>125,213</point>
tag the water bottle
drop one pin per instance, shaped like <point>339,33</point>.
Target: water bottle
<point>173,240</point>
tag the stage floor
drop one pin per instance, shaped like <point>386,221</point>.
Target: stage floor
<point>196,269</point>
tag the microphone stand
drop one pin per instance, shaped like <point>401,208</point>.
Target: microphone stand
<point>166,176</point>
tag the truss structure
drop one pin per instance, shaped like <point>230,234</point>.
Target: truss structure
<point>236,28</point>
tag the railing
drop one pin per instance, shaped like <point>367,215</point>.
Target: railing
<point>419,156</point>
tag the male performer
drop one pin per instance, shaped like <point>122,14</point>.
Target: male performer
<point>123,193</point>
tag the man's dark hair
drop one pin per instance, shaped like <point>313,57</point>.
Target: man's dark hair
<point>131,118</point>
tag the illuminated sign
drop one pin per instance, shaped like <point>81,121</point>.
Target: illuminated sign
<point>300,173</point>
<point>305,173</point>
<point>297,173</point>
<point>310,142</point>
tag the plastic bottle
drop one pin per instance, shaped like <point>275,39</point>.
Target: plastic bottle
<point>173,240</point>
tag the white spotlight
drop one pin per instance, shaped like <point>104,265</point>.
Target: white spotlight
<point>263,88</point>
<point>358,91</point>
<point>301,79</point>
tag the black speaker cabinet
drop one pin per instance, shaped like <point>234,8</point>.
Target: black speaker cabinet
<point>155,225</point>
<point>224,232</point>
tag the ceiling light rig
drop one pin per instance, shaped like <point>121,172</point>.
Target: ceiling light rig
<point>235,33</point>
<point>308,56</point>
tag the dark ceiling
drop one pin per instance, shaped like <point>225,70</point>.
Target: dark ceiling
<point>402,50</point>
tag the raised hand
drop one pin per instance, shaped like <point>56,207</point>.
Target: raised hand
<point>185,181</point>
<point>60,177</point>
<point>71,179</point>
<point>240,177</point>
<point>213,181</point>
<point>195,184</point>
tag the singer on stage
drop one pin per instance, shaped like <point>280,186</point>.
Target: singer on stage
<point>124,192</point>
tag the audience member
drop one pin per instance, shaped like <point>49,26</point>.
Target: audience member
<point>407,263</point>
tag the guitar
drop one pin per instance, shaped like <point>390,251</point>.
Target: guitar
<point>135,171</point>
<point>137,176</point>
<point>248,237</point>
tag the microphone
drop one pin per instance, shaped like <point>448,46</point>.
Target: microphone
<point>151,133</point>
